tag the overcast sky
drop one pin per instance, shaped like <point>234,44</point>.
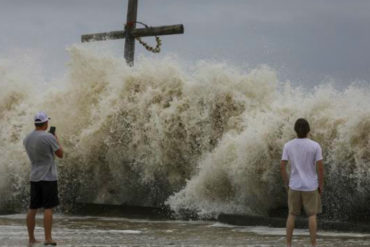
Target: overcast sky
<point>306,42</point>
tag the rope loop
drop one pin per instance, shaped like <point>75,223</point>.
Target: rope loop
<point>158,41</point>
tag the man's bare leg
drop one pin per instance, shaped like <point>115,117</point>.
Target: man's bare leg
<point>31,222</point>
<point>289,229</point>
<point>48,221</point>
<point>312,223</point>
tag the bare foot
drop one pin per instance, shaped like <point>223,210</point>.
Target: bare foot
<point>50,243</point>
<point>33,242</point>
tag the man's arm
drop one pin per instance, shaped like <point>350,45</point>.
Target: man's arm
<point>59,152</point>
<point>320,174</point>
<point>284,173</point>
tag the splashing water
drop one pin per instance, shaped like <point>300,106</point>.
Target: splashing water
<point>208,140</point>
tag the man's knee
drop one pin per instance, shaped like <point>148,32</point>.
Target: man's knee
<point>48,211</point>
<point>32,212</point>
<point>312,217</point>
<point>291,219</point>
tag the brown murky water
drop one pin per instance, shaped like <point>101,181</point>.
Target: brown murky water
<point>100,231</point>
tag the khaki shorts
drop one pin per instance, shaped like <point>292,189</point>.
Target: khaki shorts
<point>310,200</point>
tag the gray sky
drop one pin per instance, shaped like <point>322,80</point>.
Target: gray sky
<point>306,42</point>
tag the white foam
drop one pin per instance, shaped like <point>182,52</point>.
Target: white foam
<point>117,231</point>
<point>212,137</point>
<point>222,225</point>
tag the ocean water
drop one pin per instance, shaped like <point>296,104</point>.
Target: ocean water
<point>97,231</point>
<point>205,139</point>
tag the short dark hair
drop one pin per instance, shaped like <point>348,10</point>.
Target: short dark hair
<point>302,127</point>
<point>40,124</point>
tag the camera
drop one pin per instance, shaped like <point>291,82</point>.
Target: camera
<point>52,130</point>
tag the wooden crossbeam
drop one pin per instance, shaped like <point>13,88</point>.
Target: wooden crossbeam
<point>139,32</point>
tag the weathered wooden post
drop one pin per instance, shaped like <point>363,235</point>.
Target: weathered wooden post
<point>130,25</point>
<point>131,33</point>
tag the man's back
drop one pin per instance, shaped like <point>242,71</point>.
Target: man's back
<point>302,153</point>
<point>40,147</point>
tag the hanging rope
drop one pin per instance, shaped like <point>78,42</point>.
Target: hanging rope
<point>155,49</point>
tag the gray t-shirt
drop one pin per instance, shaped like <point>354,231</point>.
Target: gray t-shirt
<point>40,147</point>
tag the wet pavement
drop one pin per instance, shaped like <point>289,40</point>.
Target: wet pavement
<point>104,231</point>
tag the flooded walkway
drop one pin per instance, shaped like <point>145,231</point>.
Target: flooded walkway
<point>102,231</point>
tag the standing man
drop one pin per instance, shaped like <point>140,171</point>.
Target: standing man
<point>41,147</point>
<point>305,184</point>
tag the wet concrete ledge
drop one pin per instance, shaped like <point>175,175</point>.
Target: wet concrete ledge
<point>126,211</point>
<point>154,213</point>
<point>301,222</point>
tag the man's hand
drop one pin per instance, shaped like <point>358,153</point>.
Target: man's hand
<point>321,189</point>
<point>320,173</point>
<point>284,174</point>
<point>59,153</point>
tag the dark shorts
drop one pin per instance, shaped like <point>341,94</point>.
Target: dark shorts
<point>44,194</point>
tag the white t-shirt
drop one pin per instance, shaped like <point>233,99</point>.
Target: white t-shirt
<point>302,153</point>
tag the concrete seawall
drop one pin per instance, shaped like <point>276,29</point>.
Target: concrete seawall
<point>301,222</point>
<point>154,213</point>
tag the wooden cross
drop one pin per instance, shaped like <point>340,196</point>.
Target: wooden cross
<point>131,32</point>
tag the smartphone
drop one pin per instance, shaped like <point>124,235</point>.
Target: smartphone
<point>52,130</point>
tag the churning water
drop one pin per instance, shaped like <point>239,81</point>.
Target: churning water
<point>206,140</point>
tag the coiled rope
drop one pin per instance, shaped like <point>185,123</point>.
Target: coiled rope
<point>155,49</point>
